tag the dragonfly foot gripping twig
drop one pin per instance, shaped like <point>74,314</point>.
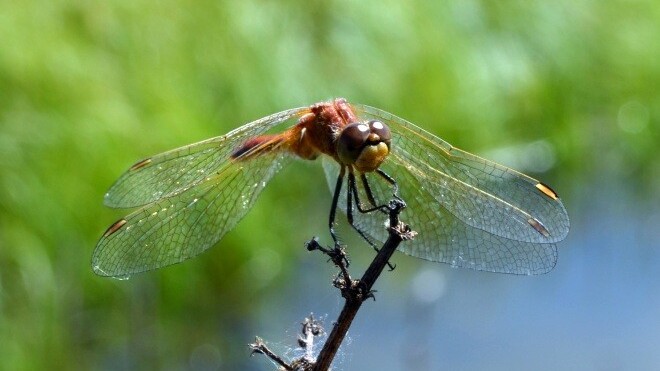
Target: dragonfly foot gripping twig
<point>354,291</point>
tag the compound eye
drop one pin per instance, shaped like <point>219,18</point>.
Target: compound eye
<point>354,136</point>
<point>380,129</point>
<point>351,141</point>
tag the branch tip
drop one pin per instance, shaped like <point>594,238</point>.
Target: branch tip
<point>354,291</point>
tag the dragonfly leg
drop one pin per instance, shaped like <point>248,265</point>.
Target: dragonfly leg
<point>389,179</point>
<point>333,208</point>
<point>367,189</point>
<point>353,191</point>
<point>370,195</point>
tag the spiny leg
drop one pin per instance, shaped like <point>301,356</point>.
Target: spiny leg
<point>333,208</point>
<point>367,189</point>
<point>370,195</point>
<point>395,186</point>
<point>384,208</point>
<point>352,190</point>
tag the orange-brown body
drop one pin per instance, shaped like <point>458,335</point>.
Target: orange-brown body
<point>315,133</point>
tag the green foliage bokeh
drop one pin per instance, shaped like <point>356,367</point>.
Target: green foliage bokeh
<point>88,88</point>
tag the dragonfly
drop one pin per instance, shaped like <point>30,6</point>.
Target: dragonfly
<point>467,211</point>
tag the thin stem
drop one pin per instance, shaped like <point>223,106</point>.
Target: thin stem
<point>260,347</point>
<point>354,291</point>
<point>358,291</point>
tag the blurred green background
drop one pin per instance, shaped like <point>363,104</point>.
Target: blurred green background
<point>564,90</point>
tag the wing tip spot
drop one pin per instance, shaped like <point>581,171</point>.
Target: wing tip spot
<point>538,227</point>
<point>546,190</point>
<point>140,164</point>
<point>114,227</point>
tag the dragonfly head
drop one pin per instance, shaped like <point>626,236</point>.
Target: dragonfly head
<point>364,145</point>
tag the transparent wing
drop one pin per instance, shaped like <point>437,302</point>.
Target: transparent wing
<point>179,227</point>
<point>175,171</point>
<point>481,193</point>
<point>468,211</point>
